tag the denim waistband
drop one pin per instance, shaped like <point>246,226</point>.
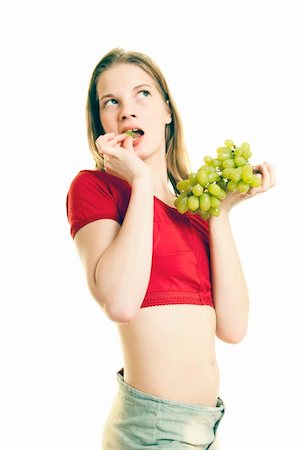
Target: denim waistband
<point>129,390</point>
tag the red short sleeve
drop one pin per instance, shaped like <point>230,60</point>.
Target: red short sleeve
<point>90,197</point>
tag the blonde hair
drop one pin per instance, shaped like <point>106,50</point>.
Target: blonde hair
<point>177,159</point>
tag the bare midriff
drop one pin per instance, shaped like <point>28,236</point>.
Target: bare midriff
<point>169,352</point>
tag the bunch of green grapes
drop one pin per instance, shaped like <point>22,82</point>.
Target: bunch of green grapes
<point>230,171</point>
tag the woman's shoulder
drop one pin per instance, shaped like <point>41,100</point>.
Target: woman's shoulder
<point>100,178</point>
<point>94,175</point>
<point>94,186</point>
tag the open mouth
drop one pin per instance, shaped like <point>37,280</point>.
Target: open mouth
<point>136,133</point>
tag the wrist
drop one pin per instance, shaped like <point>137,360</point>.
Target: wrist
<point>223,216</point>
<point>141,181</point>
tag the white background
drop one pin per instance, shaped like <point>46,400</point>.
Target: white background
<point>231,69</point>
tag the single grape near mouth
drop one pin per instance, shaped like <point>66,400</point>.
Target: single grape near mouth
<point>131,133</point>
<point>134,134</point>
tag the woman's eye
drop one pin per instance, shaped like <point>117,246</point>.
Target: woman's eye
<point>111,99</point>
<point>147,92</point>
<point>114,100</point>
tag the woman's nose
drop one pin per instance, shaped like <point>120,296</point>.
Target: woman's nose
<point>126,110</point>
<point>127,115</point>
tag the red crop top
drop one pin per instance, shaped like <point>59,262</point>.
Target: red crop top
<point>180,271</point>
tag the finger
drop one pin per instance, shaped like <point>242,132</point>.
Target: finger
<point>272,174</point>
<point>105,143</point>
<point>105,161</point>
<point>257,169</point>
<point>118,138</point>
<point>115,141</point>
<point>127,143</point>
<point>104,149</point>
<point>108,135</point>
<point>265,178</point>
<point>105,137</point>
<point>101,140</point>
<point>261,171</point>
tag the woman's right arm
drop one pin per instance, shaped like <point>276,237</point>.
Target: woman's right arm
<point>117,259</point>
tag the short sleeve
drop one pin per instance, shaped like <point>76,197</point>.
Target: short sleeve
<point>90,197</point>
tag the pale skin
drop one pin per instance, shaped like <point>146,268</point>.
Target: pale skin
<point>168,350</point>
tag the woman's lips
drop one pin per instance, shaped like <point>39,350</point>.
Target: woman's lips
<point>137,140</point>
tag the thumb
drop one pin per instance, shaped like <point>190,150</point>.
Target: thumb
<point>127,143</point>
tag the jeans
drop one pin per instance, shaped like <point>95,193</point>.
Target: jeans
<point>138,421</point>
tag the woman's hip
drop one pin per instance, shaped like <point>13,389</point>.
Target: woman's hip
<point>137,420</point>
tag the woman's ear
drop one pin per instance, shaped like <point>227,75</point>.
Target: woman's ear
<point>169,118</point>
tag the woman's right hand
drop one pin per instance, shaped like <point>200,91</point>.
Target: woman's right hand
<point>120,158</point>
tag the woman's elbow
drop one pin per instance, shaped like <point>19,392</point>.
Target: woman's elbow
<point>119,314</point>
<point>231,336</point>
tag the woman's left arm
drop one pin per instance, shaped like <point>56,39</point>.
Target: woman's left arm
<point>230,294</point>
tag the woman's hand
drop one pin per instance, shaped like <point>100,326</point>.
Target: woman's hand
<point>120,159</point>
<point>266,172</point>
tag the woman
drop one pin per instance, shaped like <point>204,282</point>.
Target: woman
<point>171,282</point>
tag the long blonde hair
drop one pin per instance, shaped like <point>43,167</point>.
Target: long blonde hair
<point>177,158</point>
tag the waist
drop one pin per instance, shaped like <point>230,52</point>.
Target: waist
<point>184,381</point>
<point>169,351</point>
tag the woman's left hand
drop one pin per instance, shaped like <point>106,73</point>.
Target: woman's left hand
<point>266,172</point>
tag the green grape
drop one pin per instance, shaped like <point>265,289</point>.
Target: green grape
<point>212,169</point>
<point>256,182</point>
<point>232,186</point>
<point>213,176</point>
<point>131,133</point>
<point>221,150</point>
<point>202,177</point>
<point>214,211</point>
<point>192,177</point>
<point>247,169</point>
<point>240,161</point>
<point>229,143</point>
<point>247,176</point>
<point>216,163</point>
<point>184,185</point>
<point>204,202</point>
<point>228,163</point>
<point>238,151</point>
<point>214,189</point>
<point>193,202</point>
<point>228,172</point>
<point>207,169</point>
<point>243,187</point>
<point>225,155</point>
<point>236,174</point>
<point>182,204</point>
<point>247,154</point>
<point>214,202</point>
<point>197,190</point>
<point>221,195</point>
<point>204,214</point>
<point>208,160</point>
<point>180,197</point>
<point>245,147</point>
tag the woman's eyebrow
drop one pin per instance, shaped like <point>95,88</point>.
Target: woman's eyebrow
<point>136,87</point>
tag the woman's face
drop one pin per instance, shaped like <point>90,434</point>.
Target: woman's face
<point>128,98</point>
